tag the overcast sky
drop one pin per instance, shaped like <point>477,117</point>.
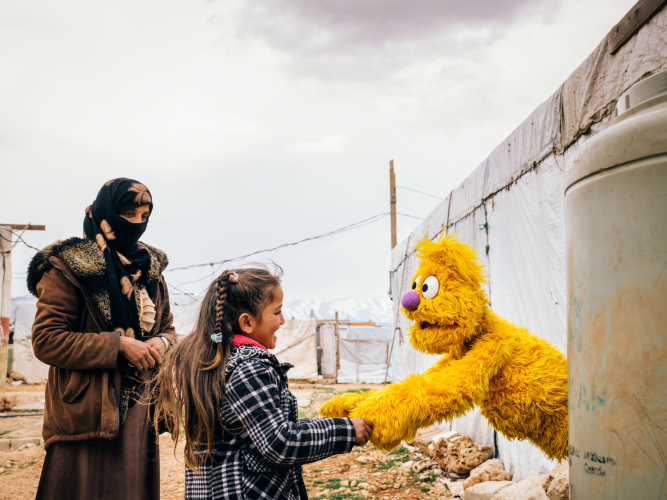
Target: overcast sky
<point>261,123</point>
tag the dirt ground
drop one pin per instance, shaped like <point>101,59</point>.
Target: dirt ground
<point>369,473</point>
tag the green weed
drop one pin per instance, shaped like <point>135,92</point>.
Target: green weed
<point>425,489</point>
<point>399,451</point>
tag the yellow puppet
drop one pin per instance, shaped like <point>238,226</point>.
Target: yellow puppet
<point>517,379</point>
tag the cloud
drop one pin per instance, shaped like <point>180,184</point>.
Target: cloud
<point>371,39</point>
<point>329,146</point>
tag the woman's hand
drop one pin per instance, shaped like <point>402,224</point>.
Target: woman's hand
<point>158,344</point>
<point>140,354</point>
<point>363,429</point>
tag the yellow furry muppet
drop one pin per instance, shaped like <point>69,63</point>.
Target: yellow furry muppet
<point>518,380</point>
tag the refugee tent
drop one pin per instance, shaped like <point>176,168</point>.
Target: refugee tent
<point>360,354</point>
<point>297,345</point>
<point>364,354</point>
<point>24,361</point>
<point>511,211</point>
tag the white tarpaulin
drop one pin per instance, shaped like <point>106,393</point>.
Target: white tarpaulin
<point>364,354</point>
<point>511,210</point>
<point>297,345</point>
<point>24,361</point>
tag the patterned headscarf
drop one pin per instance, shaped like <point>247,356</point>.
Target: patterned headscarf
<point>127,261</point>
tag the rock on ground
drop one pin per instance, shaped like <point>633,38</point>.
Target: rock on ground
<point>557,484</point>
<point>462,456</point>
<point>528,489</point>
<point>491,470</point>
<point>485,491</point>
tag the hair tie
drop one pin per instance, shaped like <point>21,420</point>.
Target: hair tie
<point>234,278</point>
<point>216,337</point>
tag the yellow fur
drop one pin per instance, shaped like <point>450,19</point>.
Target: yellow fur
<point>518,380</point>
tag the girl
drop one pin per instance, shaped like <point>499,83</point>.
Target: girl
<point>103,321</point>
<point>229,393</point>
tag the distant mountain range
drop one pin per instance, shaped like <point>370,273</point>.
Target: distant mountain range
<point>357,309</point>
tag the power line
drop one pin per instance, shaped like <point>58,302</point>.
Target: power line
<point>420,192</point>
<point>19,237</point>
<point>325,235</point>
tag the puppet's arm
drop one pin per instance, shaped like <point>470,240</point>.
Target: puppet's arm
<point>446,391</point>
<point>343,405</point>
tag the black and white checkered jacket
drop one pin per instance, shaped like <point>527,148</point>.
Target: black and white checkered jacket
<point>260,450</point>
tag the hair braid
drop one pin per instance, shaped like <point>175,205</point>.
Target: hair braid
<point>223,281</point>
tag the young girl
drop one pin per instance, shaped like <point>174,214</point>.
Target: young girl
<point>230,394</point>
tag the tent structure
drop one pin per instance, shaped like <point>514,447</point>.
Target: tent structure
<point>297,345</point>
<point>24,361</point>
<point>355,354</point>
<point>511,210</point>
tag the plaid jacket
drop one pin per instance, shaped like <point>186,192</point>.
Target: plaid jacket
<point>260,450</point>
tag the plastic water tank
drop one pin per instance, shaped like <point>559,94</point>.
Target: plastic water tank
<point>616,224</point>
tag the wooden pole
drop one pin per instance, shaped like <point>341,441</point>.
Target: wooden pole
<point>392,202</point>
<point>337,347</point>
<point>6,292</point>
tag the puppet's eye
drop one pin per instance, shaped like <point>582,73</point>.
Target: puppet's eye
<point>430,287</point>
<point>415,283</point>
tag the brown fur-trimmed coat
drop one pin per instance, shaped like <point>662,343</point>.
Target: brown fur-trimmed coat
<point>71,333</point>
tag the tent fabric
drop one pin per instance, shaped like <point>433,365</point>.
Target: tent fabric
<point>24,361</point>
<point>511,211</point>
<point>297,345</point>
<point>364,354</point>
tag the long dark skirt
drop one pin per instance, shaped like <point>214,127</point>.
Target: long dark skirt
<point>99,469</point>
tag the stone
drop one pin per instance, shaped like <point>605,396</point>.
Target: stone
<point>397,486</point>
<point>462,455</point>
<point>372,489</point>
<point>491,470</point>
<point>528,489</point>
<point>352,484</point>
<point>362,486</point>
<point>364,493</point>
<point>557,484</point>
<point>484,491</point>
<point>430,436</point>
<point>345,482</point>
<point>424,478</point>
<point>407,464</point>
<point>5,404</point>
<point>456,488</point>
<point>421,466</point>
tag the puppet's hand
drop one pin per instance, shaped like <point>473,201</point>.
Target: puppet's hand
<point>341,406</point>
<point>395,413</point>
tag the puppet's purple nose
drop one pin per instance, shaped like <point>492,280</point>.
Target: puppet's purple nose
<point>410,300</point>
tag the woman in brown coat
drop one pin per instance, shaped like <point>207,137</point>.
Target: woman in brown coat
<point>103,324</point>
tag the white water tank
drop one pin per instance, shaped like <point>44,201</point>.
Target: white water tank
<point>616,226</point>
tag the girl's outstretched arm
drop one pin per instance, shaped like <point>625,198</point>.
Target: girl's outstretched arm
<point>254,396</point>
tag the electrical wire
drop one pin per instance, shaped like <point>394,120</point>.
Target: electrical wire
<point>325,235</point>
<point>19,237</point>
<point>420,192</point>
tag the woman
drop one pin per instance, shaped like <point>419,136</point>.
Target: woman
<point>103,323</point>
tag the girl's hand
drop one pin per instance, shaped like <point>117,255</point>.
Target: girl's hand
<point>363,429</point>
<point>140,354</point>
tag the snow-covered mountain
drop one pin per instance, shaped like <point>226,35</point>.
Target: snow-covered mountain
<point>358,309</point>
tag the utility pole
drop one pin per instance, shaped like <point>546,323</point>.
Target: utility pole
<point>392,203</point>
<point>6,246</point>
<point>337,346</point>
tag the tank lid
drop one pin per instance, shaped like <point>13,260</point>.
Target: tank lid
<point>641,91</point>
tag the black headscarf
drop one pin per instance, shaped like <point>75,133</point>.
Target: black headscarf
<point>127,261</point>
